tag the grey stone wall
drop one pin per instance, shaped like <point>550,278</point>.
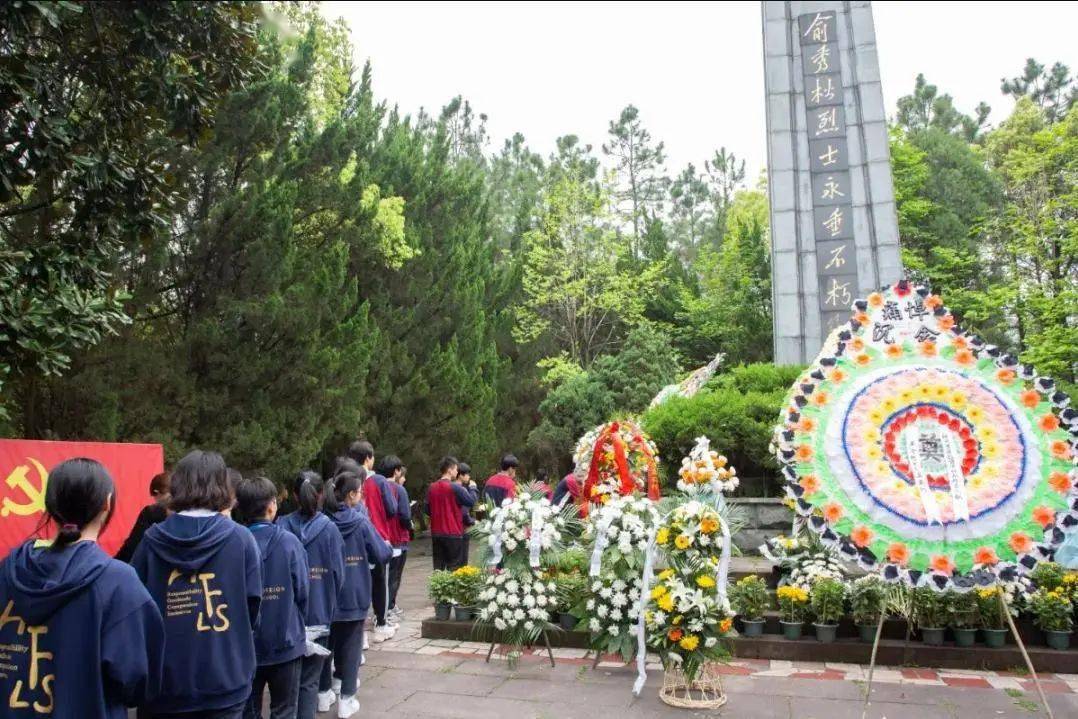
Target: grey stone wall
<point>798,329</point>
<point>765,517</point>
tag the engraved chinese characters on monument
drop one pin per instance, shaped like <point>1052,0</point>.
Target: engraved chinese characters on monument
<point>834,229</point>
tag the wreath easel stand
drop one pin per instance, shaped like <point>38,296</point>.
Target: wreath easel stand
<point>546,641</point>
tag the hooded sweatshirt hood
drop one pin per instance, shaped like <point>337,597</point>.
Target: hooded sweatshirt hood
<point>42,581</point>
<point>307,529</point>
<point>348,520</point>
<point>188,543</point>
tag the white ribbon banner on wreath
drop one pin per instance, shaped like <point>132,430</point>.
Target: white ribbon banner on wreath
<point>535,542</point>
<point>920,479</point>
<point>602,541</point>
<point>497,527</point>
<point>955,478</point>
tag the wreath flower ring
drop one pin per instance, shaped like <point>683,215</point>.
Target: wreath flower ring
<point>620,460</point>
<point>916,449</point>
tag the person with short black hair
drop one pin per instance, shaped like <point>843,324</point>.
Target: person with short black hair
<point>394,471</point>
<point>381,502</point>
<point>81,636</point>
<point>464,479</point>
<point>280,638</point>
<point>503,485</point>
<point>205,573</point>
<point>150,515</point>
<point>445,501</point>
<point>324,546</point>
<point>362,548</point>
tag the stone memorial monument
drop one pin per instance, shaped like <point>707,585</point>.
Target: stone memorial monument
<point>834,233</point>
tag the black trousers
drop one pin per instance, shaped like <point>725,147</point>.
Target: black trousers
<point>283,682</point>
<point>396,572</point>
<point>310,673</point>
<point>465,548</point>
<point>448,552</point>
<point>346,641</point>
<point>380,592</point>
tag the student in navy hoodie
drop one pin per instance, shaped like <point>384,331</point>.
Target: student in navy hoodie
<point>464,478</point>
<point>381,504</point>
<point>205,574</point>
<point>82,637</point>
<point>362,547</point>
<point>324,546</point>
<point>280,638</point>
<point>393,470</point>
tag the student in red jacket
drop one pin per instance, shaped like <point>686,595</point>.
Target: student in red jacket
<point>502,485</point>
<point>446,500</point>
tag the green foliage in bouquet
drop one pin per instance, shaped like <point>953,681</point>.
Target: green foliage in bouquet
<point>749,597</point>
<point>828,597</point>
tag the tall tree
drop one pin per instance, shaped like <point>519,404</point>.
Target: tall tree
<point>926,108</point>
<point>640,189</point>
<point>690,211</point>
<point>1053,90</point>
<point>96,98</point>
<point>725,175</point>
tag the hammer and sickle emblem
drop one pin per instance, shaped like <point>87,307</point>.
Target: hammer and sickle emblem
<point>35,495</point>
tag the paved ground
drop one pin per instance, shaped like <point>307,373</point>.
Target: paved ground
<point>411,677</point>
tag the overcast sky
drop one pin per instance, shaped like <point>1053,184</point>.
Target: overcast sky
<point>695,70</point>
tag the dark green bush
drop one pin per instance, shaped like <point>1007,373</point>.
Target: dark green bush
<point>738,411</point>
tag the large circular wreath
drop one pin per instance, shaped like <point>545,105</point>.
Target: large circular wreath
<point>915,447</point>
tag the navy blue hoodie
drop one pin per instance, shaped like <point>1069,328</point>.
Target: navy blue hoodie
<point>205,574</point>
<point>325,560</point>
<point>79,634</point>
<point>279,636</point>
<point>363,546</point>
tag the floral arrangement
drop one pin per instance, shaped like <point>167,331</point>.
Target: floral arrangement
<point>868,597</point>
<point>929,608</point>
<point>441,587</point>
<point>691,534</point>
<point>1048,576</point>
<point>686,619</point>
<point>793,603</point>
<point>611,613</point>
<point>807,567</point>
<point>1052,610</point>
<point>705,470</point>
<point>620,460</point>
<point>518,605</point>
<point>990,609</point>
<point>914,448</point>
<point>467,582</point>
<point>828,597</point>
<point>749,597</point>
<point>509,528</point>
<point>623,527</point>
<point>962,610</point>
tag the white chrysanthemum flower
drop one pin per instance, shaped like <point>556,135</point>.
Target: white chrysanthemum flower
<point>710,642</point>
<point>601,611</point>
<point>518,614</point>
<point>594,625</point>
<point>500,624</point>
<point>615,615</point>
<point>614,630</point>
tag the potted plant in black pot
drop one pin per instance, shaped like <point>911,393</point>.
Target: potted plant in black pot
<point>749,599</point>
<point>929,614</point>
<point>572,590</point>
<point>467,583</point>
<point>867,597</point>
<point>828,597</point>
<point>964,617</point>
<point>1054,614</point>
<point>440,587</point>
<point>793,602</point>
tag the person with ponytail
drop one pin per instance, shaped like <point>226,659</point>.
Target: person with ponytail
<point>324,546</point>
<point>205,573</point>
<point>363,546</point>
<point>81,636</point>
<point>280,639</point>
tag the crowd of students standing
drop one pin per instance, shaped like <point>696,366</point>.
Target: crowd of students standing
<point>214,599</point>
<point>221,599</point>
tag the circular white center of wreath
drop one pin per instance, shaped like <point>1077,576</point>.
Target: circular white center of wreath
<point>931,452</point>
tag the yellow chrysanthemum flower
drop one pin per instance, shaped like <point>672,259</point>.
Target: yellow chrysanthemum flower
<point>689,643</point>
<point>705,582</point>
<point>658,591</point>
<point>665,602</point>
<point>682,541</point>
<point>662,536</point>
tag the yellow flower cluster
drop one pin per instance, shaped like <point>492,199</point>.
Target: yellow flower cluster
<point>466,571</point>
<point>662,536</point>
<point>689,643</point>
<point>792,594</point>
<point>988,593</point>
<point>682,541</point>
<point>705,582</point>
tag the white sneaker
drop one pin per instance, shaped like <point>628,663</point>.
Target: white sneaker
<point>383,633</point>
<point>347,707</point>
<point>366,640</point>
<point>326,700</point>
<point>336,684</point>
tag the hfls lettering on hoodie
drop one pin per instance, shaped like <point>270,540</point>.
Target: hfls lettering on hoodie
<point>205,574</point>
<point>80,636</point>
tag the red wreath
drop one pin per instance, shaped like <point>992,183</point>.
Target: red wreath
<point>621,462</point>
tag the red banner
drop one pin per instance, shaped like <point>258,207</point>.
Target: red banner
<point>25,465</point>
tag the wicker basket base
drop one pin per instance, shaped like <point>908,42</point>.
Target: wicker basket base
<point>704,692</point>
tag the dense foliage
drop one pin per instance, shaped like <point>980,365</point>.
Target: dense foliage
<point>246,248</point>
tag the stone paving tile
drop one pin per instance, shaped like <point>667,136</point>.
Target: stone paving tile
<point>600,695</point>
<point>972,682</point>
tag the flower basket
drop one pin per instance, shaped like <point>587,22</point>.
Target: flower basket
<point>703,692</point>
